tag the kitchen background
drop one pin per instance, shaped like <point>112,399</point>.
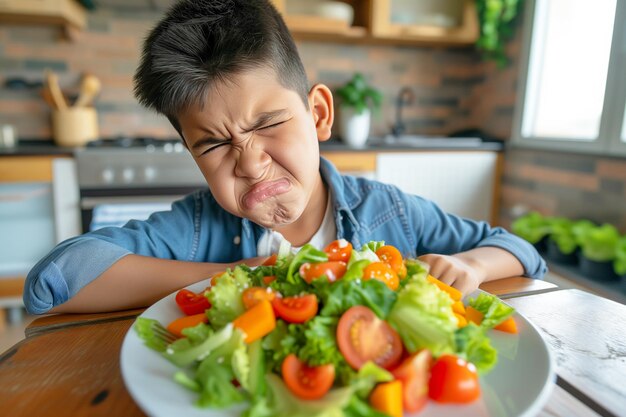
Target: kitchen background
<point>455,89</point>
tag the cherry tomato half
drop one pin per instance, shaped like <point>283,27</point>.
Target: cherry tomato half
<point>307,382</point>
<point>392,257</point>
<point>253,295</point>
<point>453,380</point>
<point>296,309</point>
<point>339,250</point>
<point>363,337</point>
<point>191,303</point>
<point>382,272</point>
<point>414,372</point>
<point>333,270</point>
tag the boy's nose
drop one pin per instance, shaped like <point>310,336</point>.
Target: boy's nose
<point>252,163</point>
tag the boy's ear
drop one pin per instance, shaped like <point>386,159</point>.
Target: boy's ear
<point>321,105</point>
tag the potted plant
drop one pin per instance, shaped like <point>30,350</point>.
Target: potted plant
<point>562,245</point>
<point>534,228</point>
<point>356,98</point>
<point>619,264</point>
<point>599,247</point>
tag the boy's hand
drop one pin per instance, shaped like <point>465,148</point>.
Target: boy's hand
<point>455,270</point>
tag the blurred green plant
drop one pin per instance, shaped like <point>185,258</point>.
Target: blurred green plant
<point>496,19</point>
<point>600,243</point>
<point>619,265</point>
<point>359,95</point>
<point>531,227</point>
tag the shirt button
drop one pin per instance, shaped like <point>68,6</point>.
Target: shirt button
<point>237,240</point>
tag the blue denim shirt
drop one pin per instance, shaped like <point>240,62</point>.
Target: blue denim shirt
<point>197,229</point>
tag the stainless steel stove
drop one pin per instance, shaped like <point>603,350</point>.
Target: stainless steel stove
<point>123,178</point>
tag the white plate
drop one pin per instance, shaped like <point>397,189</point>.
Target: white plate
<point>519,385</point>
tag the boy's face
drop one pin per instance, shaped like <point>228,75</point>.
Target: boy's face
<point>257,147</point>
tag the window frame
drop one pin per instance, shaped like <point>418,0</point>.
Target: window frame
<point>609,140</point>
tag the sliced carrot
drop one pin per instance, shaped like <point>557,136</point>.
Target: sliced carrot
<point>458,307</point>
<point>256,322</point>
<point>269,279</point>
<point>271,261</point>
<point>473,315</point>
<point>178,325</point>
<point>507,325</point>
<point>455,294</point>
<point>387,398</point>
<point>462,321</point>
<point>253,295</point>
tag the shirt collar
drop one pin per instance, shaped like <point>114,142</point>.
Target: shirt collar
<point>344,193</point>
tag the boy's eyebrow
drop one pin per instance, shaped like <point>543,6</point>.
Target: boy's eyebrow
<point>262,119</point>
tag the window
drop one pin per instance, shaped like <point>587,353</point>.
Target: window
<point>572,89</point>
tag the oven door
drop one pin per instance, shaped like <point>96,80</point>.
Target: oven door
<point>114,207</point>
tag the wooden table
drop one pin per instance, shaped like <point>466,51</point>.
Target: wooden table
<point>69,364</point>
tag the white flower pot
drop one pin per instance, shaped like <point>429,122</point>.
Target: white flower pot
<point>354,128</point>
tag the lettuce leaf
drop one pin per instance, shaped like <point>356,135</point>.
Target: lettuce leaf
<point>422,316</point>
<point>225,297</point>
<point>215,373</point>
<point>494,311</point>
<point>339,296</point>
<point>473,345</point>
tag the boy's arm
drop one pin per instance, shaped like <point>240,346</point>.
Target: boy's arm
<point>139,281</point>
<point>467,270</point>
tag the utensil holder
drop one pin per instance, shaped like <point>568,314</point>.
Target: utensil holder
<point>74,126</point>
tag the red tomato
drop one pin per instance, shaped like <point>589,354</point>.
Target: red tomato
<point>453,380</point>
<point>332,270</point>
<point>363,337</point>
<point>253,295</point>
<point>414,372</point>
<point>296,309</point>
<point>339,250</point>
<point>382,272</point>
<point>191,303</point>
<point>392,257</point>
<point>307,382</point>
<point>271,261</point>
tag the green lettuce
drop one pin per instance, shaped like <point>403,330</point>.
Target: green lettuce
<point>339,296</point>
<point>225,297</point>
<point>216,372</point>
<point>185,351</point>
<point>473,345</point>
<point>494,311</point>
<point>422,316</point>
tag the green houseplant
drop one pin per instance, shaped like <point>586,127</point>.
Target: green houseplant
<point>356,98</point>
<point>496,19</point>
<point>619,265</point>
<point>532,227</point>
<point>599,247</point>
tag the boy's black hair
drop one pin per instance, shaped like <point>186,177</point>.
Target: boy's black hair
<point>202,42</point>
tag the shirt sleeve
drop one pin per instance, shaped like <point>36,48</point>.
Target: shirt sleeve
<point>76,262</point>
<point>445,233</point>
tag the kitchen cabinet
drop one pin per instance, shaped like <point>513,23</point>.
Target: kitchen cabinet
<point>452,22</point>
<point>465,183</point>
<point>38,209</point>
<point>66,13</point>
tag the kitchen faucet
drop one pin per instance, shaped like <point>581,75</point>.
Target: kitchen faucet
<point>405,97</point>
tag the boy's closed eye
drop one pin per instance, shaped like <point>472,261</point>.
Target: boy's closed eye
<point>214,143</point>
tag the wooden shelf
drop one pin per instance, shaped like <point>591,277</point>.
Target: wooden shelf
<point>373,25</point>
<point>68,14</point>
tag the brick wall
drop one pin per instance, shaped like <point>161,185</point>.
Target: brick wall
<point>454,90</point>
<point>444,80</point>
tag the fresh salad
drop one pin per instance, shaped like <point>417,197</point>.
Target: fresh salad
<point>330,333</point>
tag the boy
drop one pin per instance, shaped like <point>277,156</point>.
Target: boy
<point>228,76</point>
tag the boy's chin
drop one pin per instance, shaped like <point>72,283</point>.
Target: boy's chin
<point>277,217</point>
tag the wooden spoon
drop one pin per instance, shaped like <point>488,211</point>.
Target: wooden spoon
<point>89,88</point>
<point>52,80</point>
